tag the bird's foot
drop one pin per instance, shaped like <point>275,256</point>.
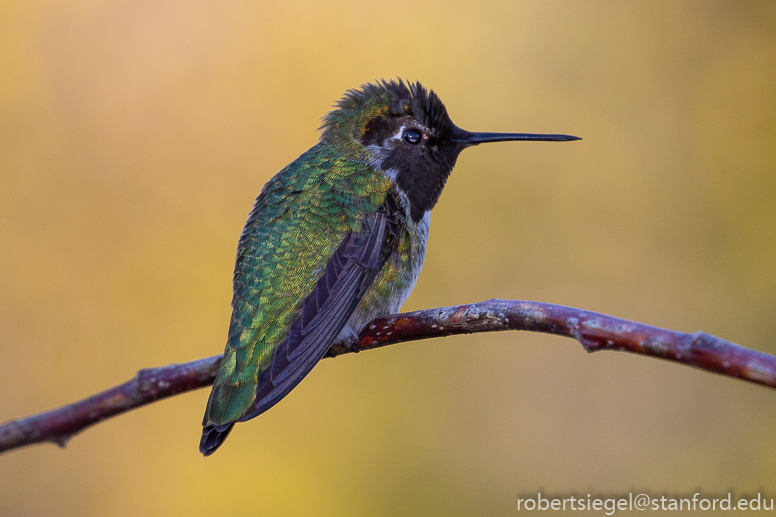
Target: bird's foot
<point>343,346</point>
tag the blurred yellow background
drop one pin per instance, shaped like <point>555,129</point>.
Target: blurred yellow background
<point>134,136</point>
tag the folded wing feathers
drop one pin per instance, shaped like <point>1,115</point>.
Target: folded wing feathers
<point>348,274</point>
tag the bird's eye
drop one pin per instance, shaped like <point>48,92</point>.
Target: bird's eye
<point>411,136</point>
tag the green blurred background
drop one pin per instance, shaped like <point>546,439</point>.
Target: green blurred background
<point>134,136</point>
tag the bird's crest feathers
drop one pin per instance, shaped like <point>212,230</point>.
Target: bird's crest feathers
<point>393,98</point>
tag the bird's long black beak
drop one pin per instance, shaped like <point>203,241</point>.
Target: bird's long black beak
<point>466,139</point>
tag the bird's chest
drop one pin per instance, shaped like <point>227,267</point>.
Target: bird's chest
<point>401,272</point>
<point>395,281</point>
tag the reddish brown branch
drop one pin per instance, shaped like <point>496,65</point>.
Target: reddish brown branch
<point>595,332</point>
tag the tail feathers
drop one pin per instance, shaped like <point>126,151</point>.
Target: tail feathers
<point>212,437</point>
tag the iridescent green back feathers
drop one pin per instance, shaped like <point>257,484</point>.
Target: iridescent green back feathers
<point>297,223</point>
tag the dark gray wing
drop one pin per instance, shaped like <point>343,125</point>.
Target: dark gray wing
<point>326,310</point>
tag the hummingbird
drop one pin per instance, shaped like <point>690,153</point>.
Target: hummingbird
<point>334,240</point>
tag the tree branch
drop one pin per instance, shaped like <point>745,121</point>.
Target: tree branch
<point>595,331</point>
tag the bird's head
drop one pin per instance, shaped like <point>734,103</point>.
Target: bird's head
<point>405,131</point>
